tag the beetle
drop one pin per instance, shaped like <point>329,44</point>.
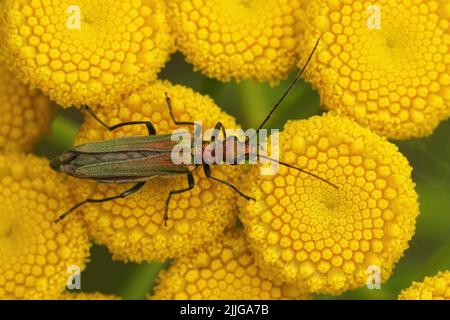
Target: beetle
<point>138,159</point>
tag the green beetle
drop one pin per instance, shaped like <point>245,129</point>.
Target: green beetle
<point>141,158</point>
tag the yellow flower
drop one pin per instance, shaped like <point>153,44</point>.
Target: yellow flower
<point>432,288</point>
<point>133,228</point>
<point>393,77</point>
<point>25,113</point>
<point>304,231</point>
<point>35,253</point>
<point>87,296</point>
<point>237,39</point>
<point>224,269</point>
<point>88,51</point>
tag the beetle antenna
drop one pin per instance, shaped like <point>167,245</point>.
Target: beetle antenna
<point>298,169</point>
<point>299,75</point>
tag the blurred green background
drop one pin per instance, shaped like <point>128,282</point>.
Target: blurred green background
<point>249,102</point>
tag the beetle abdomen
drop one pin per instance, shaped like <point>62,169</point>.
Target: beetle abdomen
<point>118,166</point>
<point>122,159</point>
<point>90,158</point>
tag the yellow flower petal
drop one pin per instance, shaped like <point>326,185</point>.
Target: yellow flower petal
<point>87,296</point>
<point>303,230</point>
<point>133,228</point>
<point>222,270</point>
<point>116,47</point>
<point>237,39</point>
<point>25,113</point>
<point>35,253</point>
<point>432,288</point>
<point>395,78</point>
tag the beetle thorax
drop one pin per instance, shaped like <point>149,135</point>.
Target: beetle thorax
<point>229,151</point>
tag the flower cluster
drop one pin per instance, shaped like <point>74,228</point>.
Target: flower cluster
<point>223,270</point>
<point>36,253</point>
<point>237,39</point>
<point>432,288</point>
<point>386,66</point>
<point>342,201</point>
<point>91,53</point>
<point>305,231</point>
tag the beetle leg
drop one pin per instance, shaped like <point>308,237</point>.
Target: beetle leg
<point>124,194</point>
<point>178,123</point>
<point>207,170</point>
<point>151,129</point>
<point>191,183</point>
<point>219,126</point>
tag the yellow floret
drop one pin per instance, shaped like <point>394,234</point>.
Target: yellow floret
<point>133,228</point>
<point>303,230</point>
<point>35,253</point>
<point>25,113</point>
<point>87,296</point>
<point>392,76</point>
<point>237,39</point>
<point>432,288</point>
<point>224,269</point>
<point>87,51</point>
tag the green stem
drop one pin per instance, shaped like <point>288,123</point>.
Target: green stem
<point>254,103</point>
<point>142,281</point>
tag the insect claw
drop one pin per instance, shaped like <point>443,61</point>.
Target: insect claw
<point>247,198</point>
<point>65,214</point>
<point>60,218</point>
<point>166,218</point>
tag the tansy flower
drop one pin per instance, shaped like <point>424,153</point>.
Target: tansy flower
<point>432,288</point>
<point>87,296</point>
<point>237,39</point>
<point>133,228</point>
<point>306,232</point>
<point>385,64</point>
<point>35,253</point>
<point>224,269</point>
<point>25,113</point>
<point>87,52</point>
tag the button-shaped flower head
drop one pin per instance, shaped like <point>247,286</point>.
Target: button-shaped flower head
<point>304,231</point>
<point>385,64</point>
<point>37,256</point>
<point>133,228</point>
<point>432,288</point>
<point>221,270</point>
<point>25,113</point>
<point>237,39</point>
<point>86,51</point>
